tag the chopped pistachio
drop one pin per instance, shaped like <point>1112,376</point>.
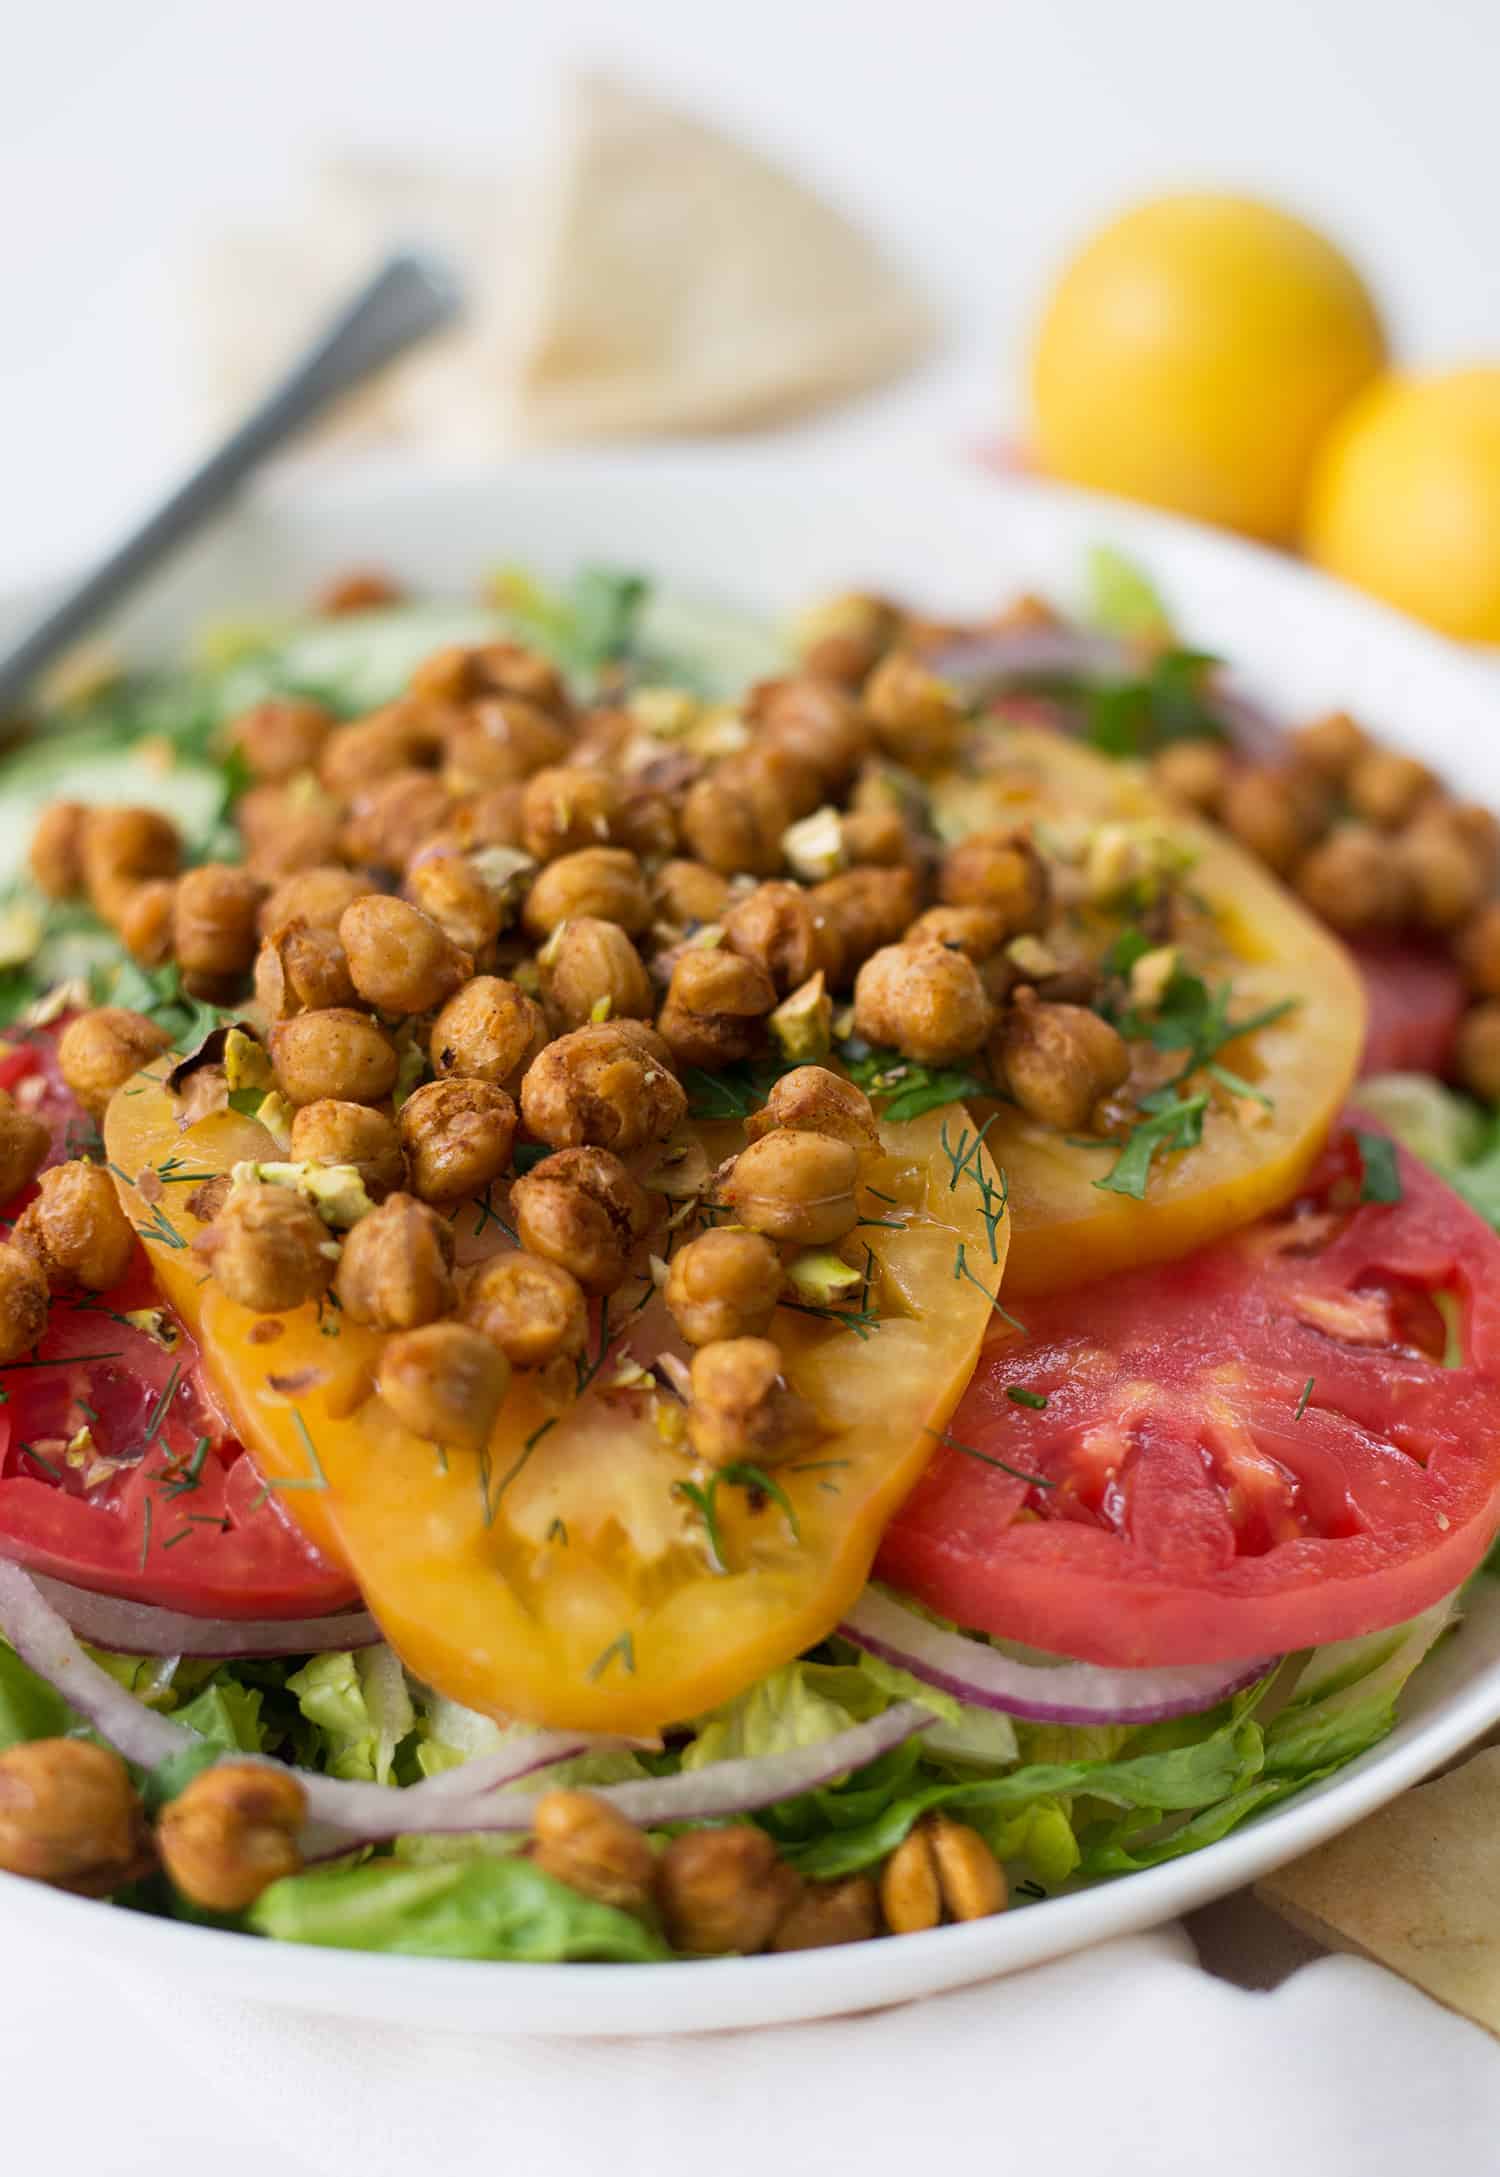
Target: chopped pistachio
<point>505,873</point>
<point>547,955</point>
<point>155,1323</point>
<point>20,932</point>
<point>70,997</point>
<point>708,936</point>
<point>335,1191</point>
<point>823,1277</point>
<point>719,732</point>
<point>601,1008</point>
<point>814,845</point>
<point>275,1114</point>
<point>1150,976</point>
<point>666,713</point>
<point>1031,956</point>
<point>803,1023</point>
<point>247,1064</point>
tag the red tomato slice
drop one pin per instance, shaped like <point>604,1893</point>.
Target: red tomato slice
<point>1202,1504</point>
<point>30,1072</point>
<point>1416,999</point>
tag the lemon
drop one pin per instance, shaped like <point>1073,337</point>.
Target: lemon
<point>1193,355</point>
<point>1405,499</point>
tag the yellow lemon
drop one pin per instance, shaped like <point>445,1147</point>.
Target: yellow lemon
<point>1405,499</point>
<point>1193,355</point>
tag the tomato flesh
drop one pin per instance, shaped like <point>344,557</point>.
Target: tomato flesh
<point>1194,1501</point>
<point>1416,998</point>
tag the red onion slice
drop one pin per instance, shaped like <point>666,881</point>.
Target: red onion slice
<point>1042,1693</point>
<point>131,1628</point>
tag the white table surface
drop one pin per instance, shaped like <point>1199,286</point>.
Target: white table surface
<point>977,138</point>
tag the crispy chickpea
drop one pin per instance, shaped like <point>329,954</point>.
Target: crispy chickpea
<point>811,1100</point>
<point>580,1208</point>
<point>592,971</point>
<point>143,917</point>
<point>582,1841</point>
<point>715,1006</point>
<point>1386,788</point>
<point>77,1229</point>
<point>268,1249</point>
<point>56,856</point>
<point>534,1311</point>
<point>1353,880</point>
<point>405,735</point>
<point>1476,1053</point>
<point>1477,950</point>
<point>396,1266</point>
<point>315,896</point>
<point>723,1891</point>
<point>918,718</point>
<point>647,822</point>
<point>1057,1060</point>
<point>855,627</point>
<point>491,818</point>
<point>399,959</point>
<point>1000,870</point>
<point>281,736</point>
<point>358,589</point>
<point>329,1132</point>
<point>828,1913</point>
<point>100,1051</point>
<point>286,833</point>
<point>503,741</point>
<point>1331,745</point>
<point>724,1284</point>
<point>867,908</point>
<point>213,920</point>
<point>942,1870</point>
<point>686,893</point>
<point>743,1408</point>
<point>926,1001</point>
<point>335,1052</point>
<point>817,721</point>
<point>69,1816</point>
<point>121,847</point>
<point>1447,876</point>
<point>231,1833</point>
<point>566,808</point>
<point>444,1382</point>
<point>23,1301</point>
<point>977,932</point>
<point>447,887</point>
<point>603,882</point>
<point>783,930</point>
<point>24,1141</point>
<point>389,821</point>
<point>457,1135</point>
<point>732,829</point>
<point>300,969</point>
<point>1196,772</point>
<point>489,1031</point>
<point>795,1186</point>
<point>461,673</point>
<point>607,1086</point>
<point>879,834</point>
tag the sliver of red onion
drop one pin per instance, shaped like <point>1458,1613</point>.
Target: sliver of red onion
<point>132,1628</point>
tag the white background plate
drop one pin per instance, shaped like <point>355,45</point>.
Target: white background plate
<point>770,534</point>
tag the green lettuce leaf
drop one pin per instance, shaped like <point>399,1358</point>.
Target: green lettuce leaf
<point>1121,597</point>
<point>29,1709</point>
<point>361,1708</point>
<point>501,1909</point>
<point>227,1715</point>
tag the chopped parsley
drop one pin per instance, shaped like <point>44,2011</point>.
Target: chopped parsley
<point>1176,1124</point>
<point>1381,1181</point>
<point>907,1089</point>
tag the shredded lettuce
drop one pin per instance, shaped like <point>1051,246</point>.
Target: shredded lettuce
<point>360,1706</point>
<point>1459,1138</point>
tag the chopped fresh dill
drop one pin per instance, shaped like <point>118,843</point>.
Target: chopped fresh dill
<point>192,1473</point>
<point>146,1530</point>
<point>623,1647</point>
<point>159,1411</point>
<point>29,1451</point>
<point>510,1475</point>
<point>986,1458</point>
<point>961,1270</point>
<point>1034,1401</point>
<point>1307,1392</point>
<point>558,1532</point>
<point>862,1321</point>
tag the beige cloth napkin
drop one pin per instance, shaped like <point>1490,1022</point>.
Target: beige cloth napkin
<point>652,277</point>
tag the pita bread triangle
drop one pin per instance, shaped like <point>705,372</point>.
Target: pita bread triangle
<point>679,282</point>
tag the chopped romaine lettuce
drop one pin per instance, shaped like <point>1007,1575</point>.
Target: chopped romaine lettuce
<point>361,1708</point>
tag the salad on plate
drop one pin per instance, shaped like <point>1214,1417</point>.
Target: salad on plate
<point>671,1292</point>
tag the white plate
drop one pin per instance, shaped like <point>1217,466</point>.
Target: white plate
<point>771,532</point>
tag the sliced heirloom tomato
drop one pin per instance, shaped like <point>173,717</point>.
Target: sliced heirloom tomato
<point>1252,1451</point>
<point>1251,1157</point>
<point>564,1574</point>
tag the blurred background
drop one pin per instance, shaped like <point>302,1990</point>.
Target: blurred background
<point>178,178</point>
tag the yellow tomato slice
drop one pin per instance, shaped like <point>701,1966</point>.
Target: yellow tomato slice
<point>1067,1229</point>
<point>563,1575</point>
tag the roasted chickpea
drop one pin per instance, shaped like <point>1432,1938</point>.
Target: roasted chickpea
<point>281,736</point>
<point>77,1229</point>
<point>488,819</point>
<point>732,829</point>
<point>122,847</point>
<point>404,736</point>
<point>389,821</point>
<point>314,896</point>
<point>602,882</point>
<point>457,1135</point>
<point>1386,788</point>
<point>268,1249</point>
<point>878,835</point>
<point>918,718</point>
<point>329,1132</point>
<point>829,1913</point>
<point>942,1869</point>
<point>24,1141</point>
<point>1331,746</point>
<point>606,1086</point>
<point>926,1001</point>
<point>69,1816</point>
<point>503,741</point>
<point>817,721</point>
<point>100,1051</point>
<point>723,1891</point>
<point>715,1007</point>
<point>359,589</point>
<point>1447,877</point>
<point>534,1311</point>
<point>811,1100</point>
<point>582,1841</point>
<point>1000,870</point>
<point>213,921</point>
<point>1353,880</point>
<point>580,1208</point>
<point>302,969</point>
<point>685,894</point>
<point>286,832</point>
<point>1477,951</point>
<point>783,930</point>
<point>1259,809</point>
<point>1057,1060</point>
<point>795,1186</point>
<point>1196,772</point>
<point>488,1031</point>
<point>444,1382</point>
<point>449,888</point>
<point>232,1832</point>
<point>977,932</point>
<point>462,674</point>
<point>23,1301</point>
<point>1476,1053</point>
<point>143,915</point>
<point>396,1266</point>
<point>399,959</point>
<point>334,1052</point>
<point>743,1408</point>
<point>866,908</point>
<point>724,1284</point>
<point>56,856</point>
<point>566,808</point>
<point>592,971</point>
